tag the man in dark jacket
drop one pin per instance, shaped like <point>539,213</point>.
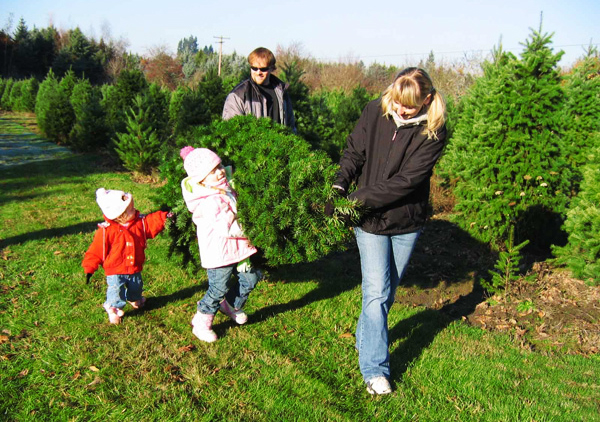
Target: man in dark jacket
<point>263,95</point>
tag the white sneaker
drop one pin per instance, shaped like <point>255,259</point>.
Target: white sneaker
<point>238,315</point>
<point>379,385</point>
<point>203,327</point>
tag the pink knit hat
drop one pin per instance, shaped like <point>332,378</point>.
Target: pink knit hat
<point>199,162</point>
<point>113,203</point>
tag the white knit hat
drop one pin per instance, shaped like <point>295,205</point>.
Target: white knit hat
<point>199,162</point>
<point>113,203</point>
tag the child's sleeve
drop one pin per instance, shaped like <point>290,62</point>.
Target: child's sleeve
<point>155,223</point>
<point>95,253</point>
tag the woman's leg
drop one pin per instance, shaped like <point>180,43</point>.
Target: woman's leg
<point>383,263</point>
<point>402,248</point>
<point>371,332</point>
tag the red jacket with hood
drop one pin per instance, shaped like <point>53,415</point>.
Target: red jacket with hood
<point>120,249</point>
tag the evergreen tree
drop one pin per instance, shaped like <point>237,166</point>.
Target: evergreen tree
<point>582,252</point>
<point>53,110</point>
<point>582,108</point>
<point>189,45</point>
<point>282,188</point>
<point>2,86</point>
<point>139,147</point>
<point>157,101</point>
<point>314,119</point>
<point>187,108</point>
<point>506,158</point>
<point>89,131</point>
<point>14,97</point>
<point>28,94</point>
<point>120,97</point>
<point>5,100</point>
<point>43,47</point>
<point>79,55</point>
<point>346,112</point>
<point>211,89</point>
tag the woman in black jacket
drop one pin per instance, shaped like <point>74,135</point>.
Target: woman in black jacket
<point>390,154</point>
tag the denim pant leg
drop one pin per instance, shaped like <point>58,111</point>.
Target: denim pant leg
<point>135,286</point>
<point>239,292</point>
<point>115,290</point>
<point>383,261</point>
<point>217,288</point>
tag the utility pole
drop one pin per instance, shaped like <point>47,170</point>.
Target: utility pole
<point>221,38</point>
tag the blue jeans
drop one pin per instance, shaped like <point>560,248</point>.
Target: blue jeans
<point>122,287</point>
<point>237,295</point>
<point>383,260</point>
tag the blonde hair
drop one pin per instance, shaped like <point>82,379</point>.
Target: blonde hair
<point>262,54</point>
<point>411,88</point>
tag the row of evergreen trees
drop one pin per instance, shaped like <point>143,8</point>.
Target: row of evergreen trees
<point>136,118</point>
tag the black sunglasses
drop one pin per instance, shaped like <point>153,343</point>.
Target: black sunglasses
<point>262,69</point>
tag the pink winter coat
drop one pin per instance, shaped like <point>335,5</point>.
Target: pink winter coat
<point>220,238</point>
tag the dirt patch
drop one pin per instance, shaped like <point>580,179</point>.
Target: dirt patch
<point>547,310</point>
<point>554,312</point>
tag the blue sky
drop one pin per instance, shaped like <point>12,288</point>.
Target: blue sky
<point>398,33</point>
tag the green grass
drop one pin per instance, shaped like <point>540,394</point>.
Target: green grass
<point>293,361</point>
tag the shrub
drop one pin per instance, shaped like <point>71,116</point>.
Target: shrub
<point>282,188</point>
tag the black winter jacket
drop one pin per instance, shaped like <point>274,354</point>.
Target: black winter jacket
<point>392,167</point>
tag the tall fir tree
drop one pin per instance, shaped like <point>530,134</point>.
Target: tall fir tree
<point>506,159</point>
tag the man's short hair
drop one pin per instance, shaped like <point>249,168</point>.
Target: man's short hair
<point>263,54</point>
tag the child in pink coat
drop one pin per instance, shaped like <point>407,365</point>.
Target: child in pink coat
<point>223,247</point>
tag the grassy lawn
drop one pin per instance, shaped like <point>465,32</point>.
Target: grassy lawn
<point>293,361</point>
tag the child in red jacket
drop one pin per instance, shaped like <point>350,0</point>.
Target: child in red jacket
<point>118,246</point>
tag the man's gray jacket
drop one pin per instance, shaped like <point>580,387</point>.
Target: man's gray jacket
<point>246,99</point>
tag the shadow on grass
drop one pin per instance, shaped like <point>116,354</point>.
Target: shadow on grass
<point>337,273</point>
<point>419,331</point>
<point>444,254</point>
<point>49,233</point>
<point>29,175</point>
<point>157,302</point>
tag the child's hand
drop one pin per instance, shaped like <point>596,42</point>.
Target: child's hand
<point>88,277</point>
